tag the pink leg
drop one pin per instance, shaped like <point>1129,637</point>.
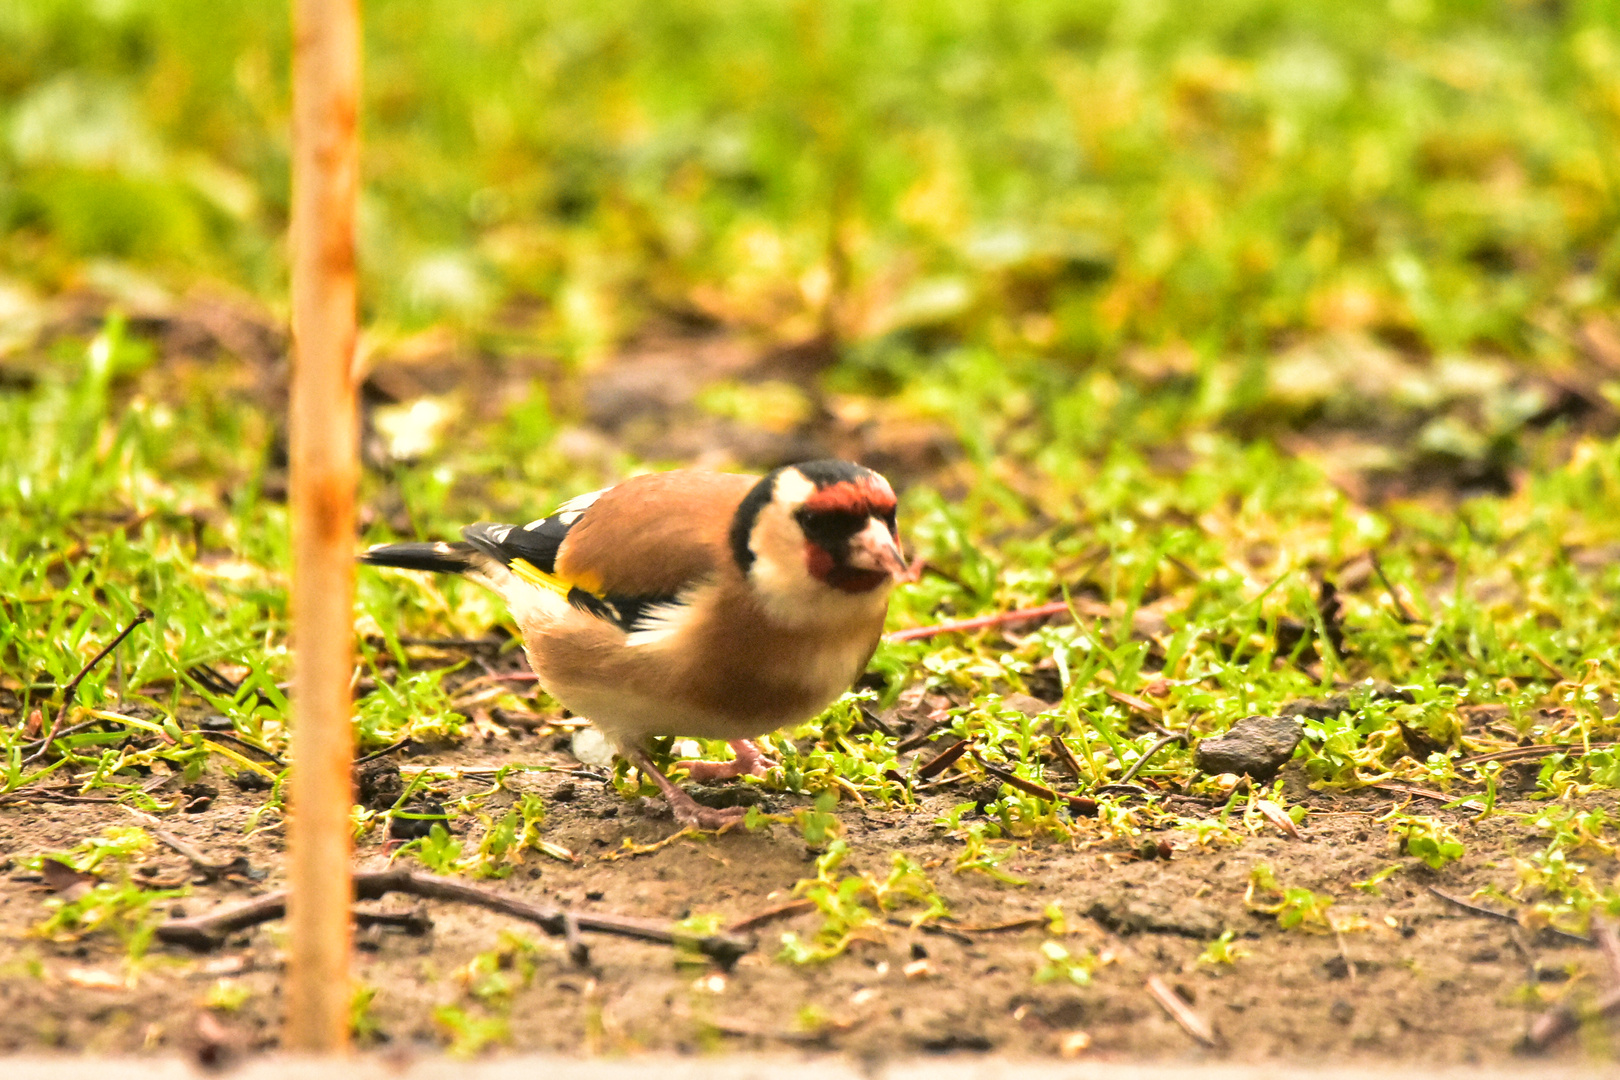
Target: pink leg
<point>749,762</point>
<point>687,810</point>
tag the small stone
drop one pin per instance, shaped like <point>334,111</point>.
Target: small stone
<point>1073,1043</point>
<point>250,780</point>
<point>1256,746</point>
<point>1341,1011</point>
<point>423,815</point>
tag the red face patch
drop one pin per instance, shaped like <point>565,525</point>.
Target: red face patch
<point>865,496</point>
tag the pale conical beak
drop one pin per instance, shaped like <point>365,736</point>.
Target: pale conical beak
<point>874,548</point>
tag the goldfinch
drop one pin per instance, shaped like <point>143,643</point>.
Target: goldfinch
<point>693,603</point>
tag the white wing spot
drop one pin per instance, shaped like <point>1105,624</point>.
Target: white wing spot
<point>535,524</point>
<point>568,517</point>
<point>580,503</point>
<point>442,548</point>
<point>500,534</point>
<point>660,624</point>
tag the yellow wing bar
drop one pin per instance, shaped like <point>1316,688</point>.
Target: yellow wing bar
<point>531,573</point>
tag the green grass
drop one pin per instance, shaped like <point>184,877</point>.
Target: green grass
<point>1141,264</point>
<point>1054,179</point>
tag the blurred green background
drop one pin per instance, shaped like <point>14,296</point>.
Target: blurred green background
<point>1208,181</point>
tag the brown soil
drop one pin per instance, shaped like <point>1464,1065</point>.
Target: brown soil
<point>1425,981</point>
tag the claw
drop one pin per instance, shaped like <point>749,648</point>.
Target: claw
<point>688,811</point>
<point>748,762</point>
<point>696,815</point>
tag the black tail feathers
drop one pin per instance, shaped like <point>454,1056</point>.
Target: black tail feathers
<point>440,557</point>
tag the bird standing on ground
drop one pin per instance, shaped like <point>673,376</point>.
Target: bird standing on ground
<point>693,603</point>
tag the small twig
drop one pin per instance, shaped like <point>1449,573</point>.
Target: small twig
<point>1180,1012</point>
<point>1422,793</point>
<point>213,680</point>
<point>1146,708</point>
<point>500,676</point>
<point>918,737</point>
<point>770,915</point>
<point>878,722</point>
<point>1001,928</point>
<point>71,691</point>
<point>77,729</point>
<point>1077,803</point>
<point>1065,755</point>
<point>1477,909</point>
<point>983,622</point>
<point>1502,916</point>
<point>943,760</point>
<point>1560,1020</point>
<point>384,752</point>
<point>205,932</point>
<point>1551,667</point>
<point>1159,744</point>
<point>1513,753</point>
<point>1402,612</point>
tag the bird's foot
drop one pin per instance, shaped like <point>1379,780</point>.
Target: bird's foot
<point>688,811</point>
<point>748,762</point>
<point>694,815</point>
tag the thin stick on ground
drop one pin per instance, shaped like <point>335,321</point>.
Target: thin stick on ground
<point>71,691</point>
<point>1402,612</point>
<point>325,467</point>
<point>1147,755</point>
<point>1078,803</point>
<point>1517,753</point>
<point>983,622</point>
<point>1503,916</point>
<point>384,752</point>
<point>204,932</point>
<point>770,915</point>
<point>1181,1012</point>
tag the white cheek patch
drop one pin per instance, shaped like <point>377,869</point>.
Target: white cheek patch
<point>779,570</point>
<point>783,583</point>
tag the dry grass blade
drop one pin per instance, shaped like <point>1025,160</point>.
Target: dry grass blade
<point>1278,817</point>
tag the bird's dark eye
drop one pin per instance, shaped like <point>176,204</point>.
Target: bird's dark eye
<point>829,529</point>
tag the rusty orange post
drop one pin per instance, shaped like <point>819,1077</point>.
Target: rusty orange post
<point>324,432</point>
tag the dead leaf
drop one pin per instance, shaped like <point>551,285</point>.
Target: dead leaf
<point>65,881</point>
<point>1278,817</point>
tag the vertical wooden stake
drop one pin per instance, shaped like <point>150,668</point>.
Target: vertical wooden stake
<point>325,441</point>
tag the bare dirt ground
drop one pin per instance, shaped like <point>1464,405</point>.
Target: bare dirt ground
<point>1425,981</point>
<point>1417,979</point>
